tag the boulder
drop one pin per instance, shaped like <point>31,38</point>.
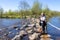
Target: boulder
<point>18,38</point>
<point>39,30</point>
<point>29,30</point>
<point>45,37</point>
<point>22,32</point>
<point>34,36</point>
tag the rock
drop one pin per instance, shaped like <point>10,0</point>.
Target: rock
<point>22,32</point>
<point>22,27</point>
<point>37,21</point>
<point>25,37</point>
<point>34,36</point>
<point>32,20</point>
<point>14,26</point>
<point>39,29</point>
<point>31,25</point>
<point>45,37</point>
<point>18,38</point>
<point>29,30</point>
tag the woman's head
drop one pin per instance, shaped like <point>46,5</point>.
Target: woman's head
<point>42,14</point>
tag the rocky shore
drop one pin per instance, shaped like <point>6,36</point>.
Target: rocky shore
<point>31,31</point>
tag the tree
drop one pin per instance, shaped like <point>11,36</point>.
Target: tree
<point>23,5</point>
<point>1,12</point>
<point>46,9</point>
<point>10,12</point>
<point>37,8</point>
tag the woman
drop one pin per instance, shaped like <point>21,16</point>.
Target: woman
<point>43,21</point>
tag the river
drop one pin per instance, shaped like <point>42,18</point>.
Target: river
<point>54,31</point>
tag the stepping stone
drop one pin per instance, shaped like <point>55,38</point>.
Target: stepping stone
<point>45,37</point>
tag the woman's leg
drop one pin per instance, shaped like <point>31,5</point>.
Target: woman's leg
<point>44,24</point>
<point>43,27</point>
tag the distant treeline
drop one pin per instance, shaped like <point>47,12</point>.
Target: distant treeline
<point>26,11</point>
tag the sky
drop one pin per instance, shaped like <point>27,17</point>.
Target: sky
<point>13,4</point>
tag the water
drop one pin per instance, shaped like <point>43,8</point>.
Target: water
<point>55,33</point>
<point>7,26</point>
<point>8,22</point>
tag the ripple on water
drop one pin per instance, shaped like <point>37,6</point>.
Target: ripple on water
<point>53,31</point>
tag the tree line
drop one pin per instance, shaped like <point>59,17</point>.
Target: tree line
<point>26,10</point>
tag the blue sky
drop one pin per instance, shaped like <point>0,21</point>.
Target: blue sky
<point>13,4</point>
